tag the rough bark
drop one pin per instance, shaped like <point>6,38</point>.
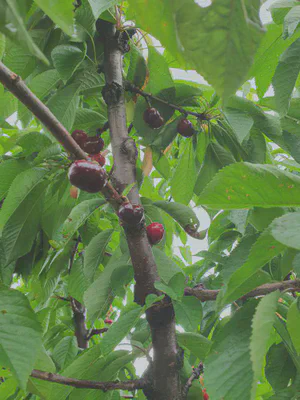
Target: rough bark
<point>81,331</point>
<point>165,369</point>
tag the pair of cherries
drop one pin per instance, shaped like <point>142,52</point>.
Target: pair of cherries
<point>91,145</point>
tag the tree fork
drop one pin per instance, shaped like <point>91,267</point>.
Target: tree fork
<point>165,369</point>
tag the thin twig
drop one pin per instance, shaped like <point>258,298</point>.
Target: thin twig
<point>195,375</point>
<point>86,384</point>
<point>134,89</point>
<point>94,332</point>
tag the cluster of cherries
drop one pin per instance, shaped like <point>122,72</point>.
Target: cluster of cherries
<point>90,176</point>
<point>153,118</point>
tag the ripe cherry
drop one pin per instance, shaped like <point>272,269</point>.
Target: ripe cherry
<point>74,192</point>
<point>155,232</point>
<point>131,214</point>
<point>93,145</point>
<point>87,175</point>
<point>185,128</point>
<point>80,137</point>
<point>108,321</point>
<point>153,118</point>
<point>205,395</point>
<point>99,158</point>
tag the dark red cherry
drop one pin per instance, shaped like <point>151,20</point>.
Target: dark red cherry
<point>108,321</point>
<point>153,118</point>
<point>131,214</point>
<point>155,232</point>
<point>93,145</point>
<point>87,176</point>
<point>80,137</point>
<point>185,128</point>
<point>99,158</point>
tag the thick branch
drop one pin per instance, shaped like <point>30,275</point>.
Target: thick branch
<point>81,331</point>
<point>19,89</point>
<point>211,295</point>
<point>84,384</point>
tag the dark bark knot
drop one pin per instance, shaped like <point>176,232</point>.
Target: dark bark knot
<point>112,93</point>
<point>128,148</point>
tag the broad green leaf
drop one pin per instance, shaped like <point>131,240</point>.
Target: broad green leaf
<point>285,76</point>
<point>64,105</point>
<point>85,22</point>
<point>137,68</point>
<point>87,119</point>
<point>167,268</point>
<point>286,230</point>
<point>244,185</point>
<point>78,283</point>
<point>280,8</point>
<point>20,334</point>
<point>267,57</point>
<point>175,287</point>
<point>94,253</point>
<point>33,142</point>
<point>197,344</point>
<point>262,326</point>
<point>184,215</point>
<point>166,135</point>
<point>119,329</point>
<point>188,313</point>
<point>293,325</point>
<point>240,122</point>
<point>240,27</point>
<point>15,28</point>
<point>66,59</point>
<point>228,372</point>
<point>8,171</point>
<point>2,45</point>
<point>182,188</point>
<point>263,250</point>
<point>77,217</point>
<point>65,351</point>
<point>61,13</point>
<point>279,367</point>
<point>43,362</point>
<point>291,22</point>
<point>261,218</point>
<point>99,6</point>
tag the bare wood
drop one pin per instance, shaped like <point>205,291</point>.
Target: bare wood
<point>86,384</point>
<point>211,295</point>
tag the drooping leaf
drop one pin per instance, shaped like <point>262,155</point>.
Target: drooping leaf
<point>65,351</point>
<point>188,313</point>
<point>167,268</point>
<point>184,215</point>
<point>9,169</point>
<point>293,325</point>
<point>197,344</point>
<point>286,230</point>
<point>66,59</point>
<point>20,334</point>
<point>99,6</point>
<point>291,22</point>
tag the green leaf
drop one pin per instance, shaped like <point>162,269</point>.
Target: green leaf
<point>197,344</point>
<point>244,185</point>
<point>166,267</point>
<point>137,68</point>
<point>2,45</point>
<point>20,334</point>
<point>181,188</point>
<point>293,325</point>
<point>285,76</point>
<point>33,142</point>
<point>66,59</point>
<point>184,215</point>
<point>65,351</point>
<point>231,350</point>
<point>8,171</point>
<point>286,230</point>
<point>61,13</point>
<point>94,253</point>
<point>119,329</point>
<point>99,6</point>
<point>240,122</point>
<point>77,217</point>
<point>280,368</point>
<point>64,105</point>
<point>291,22</point>
<point>188,313</point>
<point>78,283</point>
<point>262,326</point>
<point>87,119</point>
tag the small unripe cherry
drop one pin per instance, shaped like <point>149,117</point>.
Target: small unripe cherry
<point>131,214</point>
<point>87,176</point>
<point>99,158</point>
<point>155,232</point>
<point>93,145</point>
<point>108,321</point>
<point>185,128</point>
<point>80,137</point>
<point>153,118</point>
<point>205,395</point>
<point>74,192</point>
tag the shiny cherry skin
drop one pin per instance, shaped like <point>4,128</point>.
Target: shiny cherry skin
<point>155,232</point>
<point>131,214</point>
<point>93,145</point>
<point>205,395</point>
<point>87,176</point>
<point>153,118</point>
<point>185,128</point>
<point>99,158</point>
<point>80,137</point>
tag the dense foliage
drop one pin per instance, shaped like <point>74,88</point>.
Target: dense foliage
<point>64,252</point>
